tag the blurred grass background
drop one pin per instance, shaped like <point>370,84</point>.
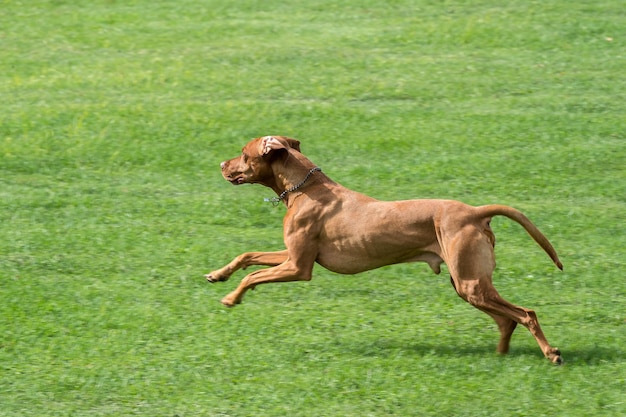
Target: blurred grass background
<point>114,118</point>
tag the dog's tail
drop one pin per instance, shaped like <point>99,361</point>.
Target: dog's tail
<point>514,214</point>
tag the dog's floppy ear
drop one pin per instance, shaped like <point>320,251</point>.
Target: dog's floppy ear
<point>271,143</point>
<point>293,144</point>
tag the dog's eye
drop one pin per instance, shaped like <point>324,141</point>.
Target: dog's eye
<point>245,158</point>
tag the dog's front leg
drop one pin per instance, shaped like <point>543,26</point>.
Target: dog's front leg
<point>245,260</point>
<point>285,272</point>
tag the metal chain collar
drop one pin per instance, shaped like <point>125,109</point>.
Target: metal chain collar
<point>281,197</point>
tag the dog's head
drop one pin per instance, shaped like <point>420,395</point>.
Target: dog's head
<point>254,165</point>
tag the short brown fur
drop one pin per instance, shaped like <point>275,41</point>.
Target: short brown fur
<point>348,232</point>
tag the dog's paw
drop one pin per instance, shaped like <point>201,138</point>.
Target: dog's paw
<point>217,276</point>
<point>555,357</point>
<point>230,301</point>
<point>211,277</point>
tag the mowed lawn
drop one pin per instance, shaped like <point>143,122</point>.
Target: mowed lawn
<point>114,117</point>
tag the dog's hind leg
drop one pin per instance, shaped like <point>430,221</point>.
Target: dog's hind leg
<point>525,317</point>
<point>506,327</point>
<point>507,315</point>
<point>471,262</point>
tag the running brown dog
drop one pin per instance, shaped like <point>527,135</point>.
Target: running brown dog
<point>348,232</point>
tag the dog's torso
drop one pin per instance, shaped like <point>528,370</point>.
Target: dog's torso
<point>356,233</point>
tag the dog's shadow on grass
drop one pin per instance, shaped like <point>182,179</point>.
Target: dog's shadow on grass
<point>422,348</point>
<point>593,355</point>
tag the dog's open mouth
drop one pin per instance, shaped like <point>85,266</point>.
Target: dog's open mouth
<point>236,181</point>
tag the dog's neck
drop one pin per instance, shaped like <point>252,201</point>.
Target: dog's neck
<point>284,180</point>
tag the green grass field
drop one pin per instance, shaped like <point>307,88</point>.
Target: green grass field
<point>114,117</point>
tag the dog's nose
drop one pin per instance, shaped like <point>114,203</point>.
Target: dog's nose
<point>223,165</point>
